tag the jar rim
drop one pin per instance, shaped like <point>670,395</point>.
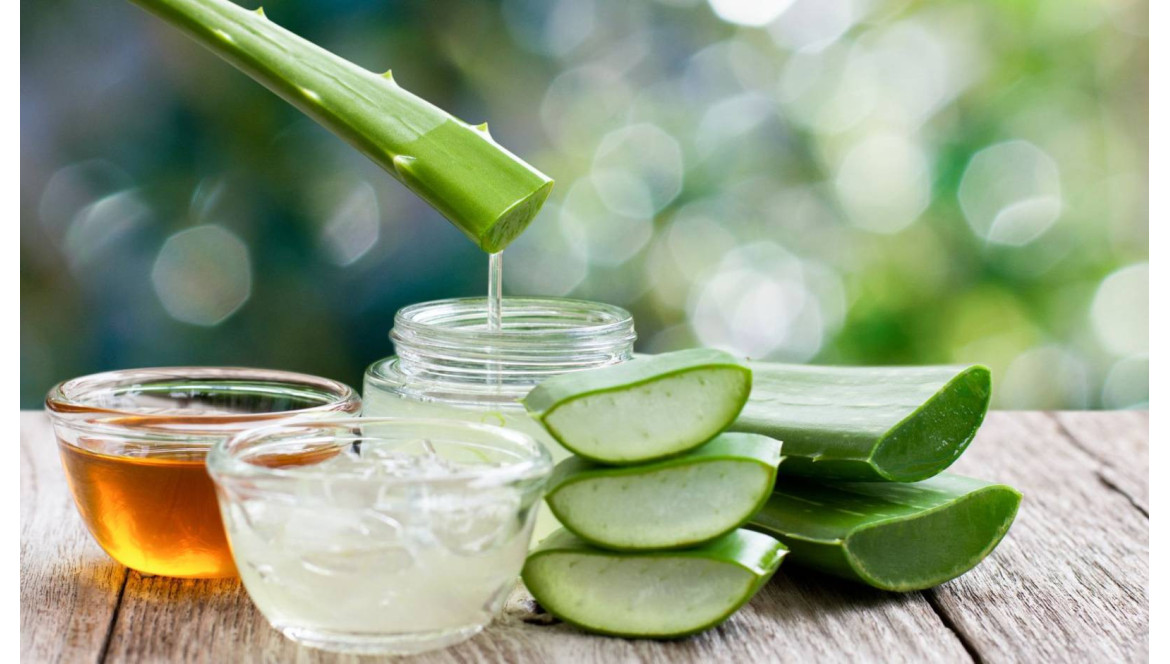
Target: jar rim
<point>446,350</point>
<point>465,319</point>
<point>225,462</point>
<point>84,402</point>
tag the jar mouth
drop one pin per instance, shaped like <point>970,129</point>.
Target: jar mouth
<point>294,452</point>
<point>523,321</point>
<point>178,402</point>
<point>448,342</point>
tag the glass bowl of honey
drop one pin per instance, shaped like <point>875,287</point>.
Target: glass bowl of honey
<point>134,445</point>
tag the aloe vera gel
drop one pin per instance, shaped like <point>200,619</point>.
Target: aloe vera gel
<point>653,498</point>
<point>673,503</point>
<point>655,594</point>
<point>651,407</point>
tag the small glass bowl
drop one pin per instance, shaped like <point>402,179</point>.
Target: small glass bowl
<point>134,445</point>
<point>379,535</point>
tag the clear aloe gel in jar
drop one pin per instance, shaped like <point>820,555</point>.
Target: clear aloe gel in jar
<point>449,364</point>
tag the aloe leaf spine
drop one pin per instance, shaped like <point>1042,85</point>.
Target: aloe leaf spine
<point>484,190</point>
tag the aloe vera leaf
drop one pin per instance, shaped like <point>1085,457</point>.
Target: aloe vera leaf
<point>677,502</point>
<point>649,594</point>
<point>900,424</point>
<point>649,408</point>
<point>893,536</point>
<point>484,190</point>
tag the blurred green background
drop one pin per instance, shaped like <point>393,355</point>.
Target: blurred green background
<point>832,181</point>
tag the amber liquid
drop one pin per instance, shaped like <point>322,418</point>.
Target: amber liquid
<point>156,514</point>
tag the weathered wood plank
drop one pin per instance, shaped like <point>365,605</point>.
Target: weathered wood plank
<point>68,586</point>
<point>1070,582</point>
<point>796,618</point>
<point>1120,442</point>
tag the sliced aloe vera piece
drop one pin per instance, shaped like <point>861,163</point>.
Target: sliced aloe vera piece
<point>892,536</point>
<point>901,424</point>
<point>677,502</point>
<point>650,594</point>
<point>484,190</point>
<point>648,408</point>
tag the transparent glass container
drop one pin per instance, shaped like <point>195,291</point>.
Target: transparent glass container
<point>450,365</point>
<point>379,535</point>
<point>134,445</point>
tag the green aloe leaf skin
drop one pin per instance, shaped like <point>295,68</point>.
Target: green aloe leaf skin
<point>650,594</point>
<point>678,502</point>
<point>649,408</point>
<point>900,424</point>
<point>893,536</point>
<point>484,190</point>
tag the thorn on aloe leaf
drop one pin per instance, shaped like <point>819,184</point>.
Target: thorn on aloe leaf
<point>389,75</point>
<point>259,11</point>
<point>483,128</point>
<point>403,163</point>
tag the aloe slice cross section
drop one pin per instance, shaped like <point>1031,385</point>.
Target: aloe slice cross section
<point>890,535</point>
<point>900,424</point>
<point>484,190</point>
<point>676,502</point>
<point>649,594</point>
<point>649,408</point>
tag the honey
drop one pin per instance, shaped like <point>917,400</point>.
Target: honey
<point>156,514</point>
<point>134,446</point>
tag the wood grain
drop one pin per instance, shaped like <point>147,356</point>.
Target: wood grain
<point>799,618</point>
<point>1120,443</point>
<point>1070,582</point>
<point>68,586</point>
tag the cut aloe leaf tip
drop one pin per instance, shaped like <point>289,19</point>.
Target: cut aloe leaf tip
<point>892,536</point>
<point>900,424</point>
<point>484,190</point>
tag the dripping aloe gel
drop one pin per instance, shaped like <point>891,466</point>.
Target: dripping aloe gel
<point>450,364</point>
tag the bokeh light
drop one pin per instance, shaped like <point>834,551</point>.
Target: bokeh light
<point>884,183</point>
<point>638,170</point>
<point>541,261</point>
<point>1121,313</point>
<point>761,303</point>
<point>831,181</point>
<point>598,233</point>
<point>749,12</point>
<point>203,275</point>
<point>1045,378</point>
<point>103,224</point>
<point>1010,193</point>
<point>353,224</point>
<point>813,24</point>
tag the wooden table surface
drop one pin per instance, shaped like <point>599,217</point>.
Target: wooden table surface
<point>1069,583</point>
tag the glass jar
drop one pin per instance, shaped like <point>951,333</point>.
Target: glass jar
<point>134,446</point>
<point>379,535</point>
<point>450,365</point>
